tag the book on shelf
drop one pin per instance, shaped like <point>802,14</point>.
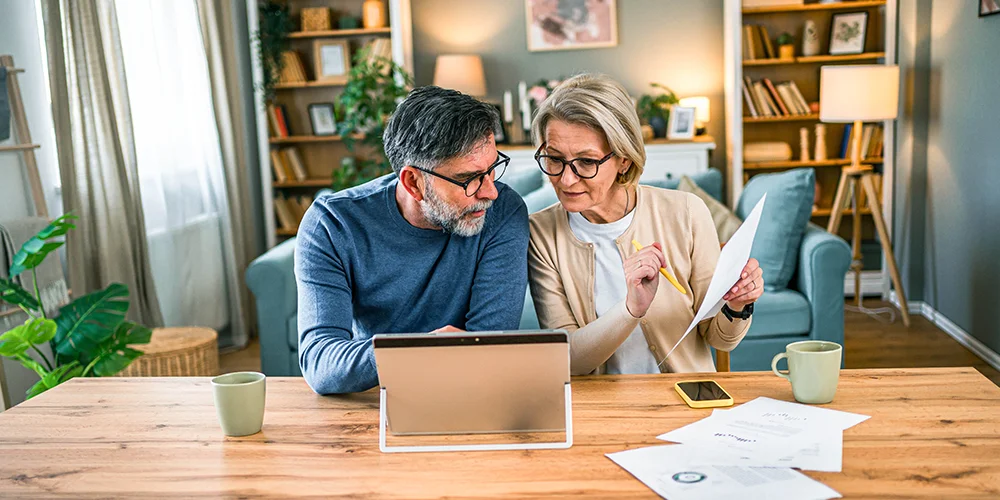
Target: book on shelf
<point>379,47</point>
<point>872,137</point>
<point>766,38</point>
<point>773,93</point>
<point>278,167</point>
<point>770,108</point>
<point>277,122</point>
<point>749,45</point>
<point>292,71</point>
<point>305,202</point>
<point>294,161</point>
<point>286,219</point>
<point>803,104</point>
<point>748,99</point>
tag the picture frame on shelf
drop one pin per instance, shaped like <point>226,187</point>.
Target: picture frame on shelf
<point>989,7</point>
<point>322,119</point>
<point>573,24</point>
<point>331,61</point>
<point>848,31</point>
<point>681,125</point>
<point>501,136</point>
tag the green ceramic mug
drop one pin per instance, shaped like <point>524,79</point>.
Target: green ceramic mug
<point>239,401</point>
<point>813,369</point>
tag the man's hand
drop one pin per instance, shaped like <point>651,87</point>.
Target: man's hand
<point>447,329</point>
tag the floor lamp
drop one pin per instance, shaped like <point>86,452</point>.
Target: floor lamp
<point>856,94</point>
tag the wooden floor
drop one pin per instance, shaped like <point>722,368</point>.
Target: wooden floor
<point>868,344</point>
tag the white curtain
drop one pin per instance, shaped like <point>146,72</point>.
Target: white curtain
<point>180,165</point>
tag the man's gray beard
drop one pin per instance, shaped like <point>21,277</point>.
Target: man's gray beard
<point>441,214</point>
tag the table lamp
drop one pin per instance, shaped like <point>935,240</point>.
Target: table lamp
<point>702,114</point>
<point>856,94</point>
<point>461,72</point>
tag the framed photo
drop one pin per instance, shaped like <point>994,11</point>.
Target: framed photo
<point>501,136</point>
<point>848,32</point>
<point>332,61</point>
<point>989,7</point>
<point>322,119</point>
<point>571,24</point>
<point>681,124</point>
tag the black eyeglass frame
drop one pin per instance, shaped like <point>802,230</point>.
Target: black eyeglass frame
<point>502,159</point>
<point>572,165</point>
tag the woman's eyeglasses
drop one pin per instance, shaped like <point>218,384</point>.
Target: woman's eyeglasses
<point>584,168</point>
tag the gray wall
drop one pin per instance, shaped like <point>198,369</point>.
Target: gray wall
<point>948,187</point>
<point>674,42</point>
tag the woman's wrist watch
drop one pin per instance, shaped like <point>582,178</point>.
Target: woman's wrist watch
<point>744,314</point>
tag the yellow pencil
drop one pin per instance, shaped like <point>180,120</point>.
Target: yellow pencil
<point>663,271</point>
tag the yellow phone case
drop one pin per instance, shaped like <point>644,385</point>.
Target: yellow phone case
<point>715,403</point>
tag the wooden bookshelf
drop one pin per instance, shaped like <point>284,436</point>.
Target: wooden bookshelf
<point>308,183</point>
<point>778,119</point>
<point>298,139</point>
<point>815,7</point>
<point>836,162</point>
<point>826,212</point>
<point>285,232</point>
<point>305,85</point>
<point>340,33</point>
<point>866,56</point>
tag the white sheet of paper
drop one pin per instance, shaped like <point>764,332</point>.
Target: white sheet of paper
<point>767,432</point>
<point>672,472</point>
<point>732,260</point>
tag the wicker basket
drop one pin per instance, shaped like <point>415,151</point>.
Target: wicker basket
<point>177,352</point>
<point>316,19</point>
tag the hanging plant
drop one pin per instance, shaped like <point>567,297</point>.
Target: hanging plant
<point>274,25</point>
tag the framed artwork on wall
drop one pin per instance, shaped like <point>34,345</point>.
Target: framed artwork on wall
<point>681,124</point>
<point>847,33</point>
<point>571,24</point>
<point>989,7</point>
<point>332,60</point>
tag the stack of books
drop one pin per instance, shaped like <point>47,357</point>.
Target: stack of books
<point>757,43</point>
<point>292,71</point>
<point>287,164</point>
<point>277,119</point>
<point>764,98</point>
<point>379,48</point>
<point>290,210</point>
<point>872,141</point>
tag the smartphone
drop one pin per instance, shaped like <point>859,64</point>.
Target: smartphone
<point>703,394</point>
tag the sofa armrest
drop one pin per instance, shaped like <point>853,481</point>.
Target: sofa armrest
<point>271,278</point>
<point>823,262</point>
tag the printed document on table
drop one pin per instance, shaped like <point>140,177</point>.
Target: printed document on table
<point>672,472</point>
<point>771,433</point>
<point>732,260</point>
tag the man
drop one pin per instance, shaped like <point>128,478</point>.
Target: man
<point>438,244</point>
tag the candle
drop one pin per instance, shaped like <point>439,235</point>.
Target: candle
<point>508,107</point>
<point>522,93</point>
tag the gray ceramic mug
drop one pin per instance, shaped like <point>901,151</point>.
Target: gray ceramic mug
<point>813,369</point>
<point>239,401</point>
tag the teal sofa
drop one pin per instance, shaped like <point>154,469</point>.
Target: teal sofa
<point>811,307</point>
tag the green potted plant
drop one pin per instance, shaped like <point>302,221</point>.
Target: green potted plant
<point>272,38</point>
<point>786,46</point>
<point>655,109</point>
<point>375,86</point>
<point>89,338</point>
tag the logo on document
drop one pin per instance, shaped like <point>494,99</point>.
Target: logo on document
<point>689,477</point>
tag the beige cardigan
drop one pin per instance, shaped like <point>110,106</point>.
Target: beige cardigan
<point>561,275</point>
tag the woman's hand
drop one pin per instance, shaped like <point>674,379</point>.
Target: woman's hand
<point>642,276</point>
<point>748,289</point>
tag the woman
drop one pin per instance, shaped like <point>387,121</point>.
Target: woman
<point>584,273</point>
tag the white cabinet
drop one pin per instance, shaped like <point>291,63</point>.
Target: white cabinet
<point>663,158</point>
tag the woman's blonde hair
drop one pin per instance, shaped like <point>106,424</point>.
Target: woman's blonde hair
<point>598,102</point>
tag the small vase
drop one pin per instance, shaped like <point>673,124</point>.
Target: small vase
<point>810,39</point>
<point>374,14</point>
<point>659,125</point>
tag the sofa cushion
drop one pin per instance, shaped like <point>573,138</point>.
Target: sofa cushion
<point>293,332</point>
<point>709,180</point>
<point>540,198</point>
<point>523,181</point>
<point>726,222</point>
<point>529,319</point>
<point>780,313</point>
<point>786,213</point>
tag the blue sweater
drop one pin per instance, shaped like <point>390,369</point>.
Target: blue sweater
<point>362,269</point>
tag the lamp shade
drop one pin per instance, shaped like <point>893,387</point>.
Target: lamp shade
<point>702,112</point>
<point>461,72</point>
<point>864,92</point>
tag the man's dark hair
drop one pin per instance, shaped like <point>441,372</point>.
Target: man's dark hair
<point>434,124</point>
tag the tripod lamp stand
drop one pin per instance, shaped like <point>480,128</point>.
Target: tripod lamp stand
<point>856,94</point>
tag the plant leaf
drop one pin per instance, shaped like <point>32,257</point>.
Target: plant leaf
<point>12,343</point>
<point>115,354</point>
<point>89,321</point>
<point>12,293</point>
<point>54,378</point>
<point>58,227</point>
<point>18,339</point>
<point>31,254</point>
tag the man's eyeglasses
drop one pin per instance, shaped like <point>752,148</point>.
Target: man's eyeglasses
<point>471,186</point>
<point>584,168</point>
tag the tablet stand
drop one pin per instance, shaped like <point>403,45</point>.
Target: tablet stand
<point>383,424</point>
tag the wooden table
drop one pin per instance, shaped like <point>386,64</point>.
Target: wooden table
<point>933,433</point>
